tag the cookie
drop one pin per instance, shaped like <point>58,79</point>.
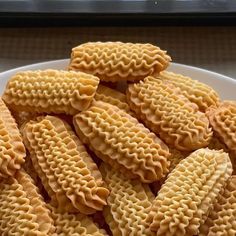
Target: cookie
<point>199,93</point>
<point>22,209</point>
<point>175,157</point>
<point>12,150</point>
<point>129,203</point>
<point>67,173</point>
<point>50,91</point>
<point>116,61</point>
<point>113,97</point>
<point>74,224</point>
<point>191,189</point>
<point>166,112</point>
<point>121,141</point>
<point>223,122</point>
<point>221,220</point>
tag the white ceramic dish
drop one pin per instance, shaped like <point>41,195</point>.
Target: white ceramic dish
<point>225,86</point>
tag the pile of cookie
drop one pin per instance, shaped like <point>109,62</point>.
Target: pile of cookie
<point>116,145</point>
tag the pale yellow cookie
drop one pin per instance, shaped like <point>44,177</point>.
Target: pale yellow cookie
<point>222,219</point>
<point>191,189</point>
<point>50,91</point>
<point>120,140</point>
<point>113,97</point>
<point>22,209</point>
<point>201,94</point>
<point>71,179</point>
<point>223,122</point>
<point>175,157</point>
<point>74,224</point>
<point>169,114</point>
<point>116,61</point>
<point>12,150</point>
<point>129,203</point>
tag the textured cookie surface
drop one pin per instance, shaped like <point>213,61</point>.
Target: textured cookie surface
<point>74,224</point>
<point>223,121</point>
<point>120,140</point>
<point>111,96</point>
<point>129,203</point>
<point>222,219</point>
<point>189,192</point>
<point>22,209</point>
<point>175,157</point>
<point>201,94</point>
<point>115,61</point>
<point>169,114</point>
<point>12,150</point>
<point>50,91</point>
<point>71,179</point>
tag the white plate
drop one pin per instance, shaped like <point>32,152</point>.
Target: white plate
<point>225,86</point>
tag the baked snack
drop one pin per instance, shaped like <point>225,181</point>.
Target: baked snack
<point>175,157</point>
<point>74,224</point>
<point>222,219</point>
<point>120,140</point>
<point>116,61</point>
<point>12,150</point>
<point>185,199</point>
<point>22,209</point>
<point>223,122</point>
<point>113,97</point>
<point>50,91</point>
<point>67,173</point>
<point>169,114</point>
<point>129,203</point>
<point>199,93</point>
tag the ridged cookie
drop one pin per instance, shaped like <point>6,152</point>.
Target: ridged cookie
<point>50,91</point>
<point>120,140</point>
<point>223,122</point>
<point>12,150</point>
<point>201,94</point>
<point>74,224</point>
<point>71,179</point>
<point>29,169</point>
<point>222,219</point>
<point>175,157</point>
<point>191,189</point>
<point>112,96</point>
<point>169,114</point>
<point>115,61</point>
<point>22,209</point>
<point>129,203</point>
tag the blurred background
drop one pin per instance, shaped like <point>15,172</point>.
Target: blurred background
<point>194,32</point>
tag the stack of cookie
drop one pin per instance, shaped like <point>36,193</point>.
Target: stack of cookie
<point>81,157</point>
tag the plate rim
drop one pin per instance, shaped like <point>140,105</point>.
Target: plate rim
<point>43,63</point>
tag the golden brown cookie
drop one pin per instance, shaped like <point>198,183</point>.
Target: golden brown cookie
<point>22,209</point>
<point>169,114</point>
<point>67,172</point>
<point>12,150</point>
<point>116,61</point>
<point>223,122</point>
<point>191,189</point>
<point>120,140</point>
<point>201,94</point>
<point>50,91</point>
<point>222,219</point>
<point>74,224</point>
<point>129,203</point>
